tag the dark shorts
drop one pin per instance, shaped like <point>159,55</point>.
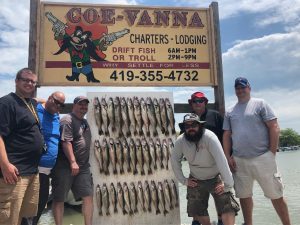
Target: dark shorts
<point>62,182</point>
<point>198,199</point>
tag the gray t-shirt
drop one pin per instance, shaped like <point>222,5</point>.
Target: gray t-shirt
<point>206,160</point>
<point>78,133</point>
<point>246,121</point>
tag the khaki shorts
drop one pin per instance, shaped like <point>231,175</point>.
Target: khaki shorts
<point>18,200</point>
<point>198,199</point>
<point>264,170</point>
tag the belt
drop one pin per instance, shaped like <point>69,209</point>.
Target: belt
<point>79,65</point>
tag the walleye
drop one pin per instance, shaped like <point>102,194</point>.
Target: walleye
<point>164,116</point>
<point>139,156</point>
<point>138,115</point>
<point>97,153</point>
<point>97,115</point>
<point>121,201</point>
<point>133,197</point>
<point>113,155</point>
<point>147,192</point>
<point>154,197</point>
<point>105,156</point>
<point>125,118</point>
<point>166,153</point>
<point>170,146</point>
<point>174,193</point>
<point>111,113</point>
<point>151,116</point>
<point>120,155</point>
<point>113,197</point>
<point>105,199</point>
<point>141,196</point>
<point>127,198</point>
<point>162,199</point>
<point>126,153</point>
<point>168,194</point>
<point>133,157</point>
<point>145,117</point>
<point>104,115</point>
<point>153,153</point>
<point>159,153</point>
<point>131,116</point>
<point>157,115</point>
<point>170,114</point>
<point>146,154</point>
<point>99,199</point>
<point>118,116</point>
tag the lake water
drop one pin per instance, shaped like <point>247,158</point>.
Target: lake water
<point>263,214</point>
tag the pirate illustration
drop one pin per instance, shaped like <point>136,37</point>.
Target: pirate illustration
<point>82,46</point>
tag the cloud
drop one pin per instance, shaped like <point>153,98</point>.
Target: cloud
<point>270,11</point>
<point>268,61</point>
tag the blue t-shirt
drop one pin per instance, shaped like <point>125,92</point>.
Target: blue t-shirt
<point>50,129</point>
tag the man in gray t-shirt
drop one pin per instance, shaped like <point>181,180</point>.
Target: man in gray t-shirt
<point>251,133</point>
<point>72,169</point>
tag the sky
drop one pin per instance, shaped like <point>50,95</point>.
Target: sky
<point>260,40</point>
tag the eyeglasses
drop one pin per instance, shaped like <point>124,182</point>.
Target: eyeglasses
<point>198,100</point>
<point>28,81</point>
<point>191,125</point>
<point>58,103</point>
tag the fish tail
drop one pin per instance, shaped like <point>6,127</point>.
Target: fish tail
<point>165,212</point>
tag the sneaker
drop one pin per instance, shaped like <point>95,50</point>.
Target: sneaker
<point>195,222</point>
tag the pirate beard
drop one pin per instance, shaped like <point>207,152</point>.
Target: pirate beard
<point>196,136</point>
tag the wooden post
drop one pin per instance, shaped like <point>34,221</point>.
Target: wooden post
<point>33,37</point>
<point>219,89</point>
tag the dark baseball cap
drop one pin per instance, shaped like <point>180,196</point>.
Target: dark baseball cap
<point>241,81</point>
<point>80,99</point>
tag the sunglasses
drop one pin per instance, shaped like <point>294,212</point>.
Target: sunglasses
<point>192,125</point>
<point>58,103</point>
<point>198,100</point>
<point>28,81</point>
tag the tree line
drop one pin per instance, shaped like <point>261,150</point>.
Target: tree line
<point>288,137</point>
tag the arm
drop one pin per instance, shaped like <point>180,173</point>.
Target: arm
<point>216,151</point>
<point>68,150</point>
<point>274,131</point>
<point>176,158</point>
<point>9,171</point>
<point>227,145</point>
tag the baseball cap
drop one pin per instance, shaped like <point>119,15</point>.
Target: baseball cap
<point>242,81</point>
<point>80,99</point>
<point>191,117</point>
<point>198,94</point>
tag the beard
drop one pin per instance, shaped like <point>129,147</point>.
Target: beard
<point>196,136</point>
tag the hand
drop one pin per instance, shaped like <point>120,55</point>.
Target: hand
<point>74,168</point>
<point>219,189</point>
<point>232,164</point>
<point>10,173</point>
<point>192,182</point>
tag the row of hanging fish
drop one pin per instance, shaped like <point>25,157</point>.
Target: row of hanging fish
<point>134,156</point>
<point>134,116</point>
<point>160,197</point>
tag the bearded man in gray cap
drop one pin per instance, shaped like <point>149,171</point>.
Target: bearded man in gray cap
<point>209,171</point>
<point>72,169</point>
